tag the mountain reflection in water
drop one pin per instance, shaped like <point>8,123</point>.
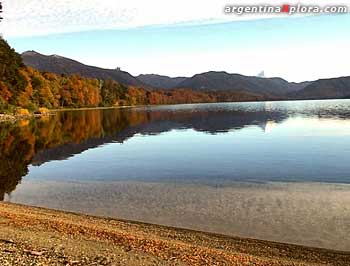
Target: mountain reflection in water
<point>68,133</point>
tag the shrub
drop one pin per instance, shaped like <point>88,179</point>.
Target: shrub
<point>32,107</point>
<point>43,111</point>
<point>22,112</point>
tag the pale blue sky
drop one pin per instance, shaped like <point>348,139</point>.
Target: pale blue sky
<point>294,48</point>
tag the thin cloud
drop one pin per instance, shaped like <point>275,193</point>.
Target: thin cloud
<point>44,17</point>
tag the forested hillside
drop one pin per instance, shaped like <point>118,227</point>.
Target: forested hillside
<point>26,87</point>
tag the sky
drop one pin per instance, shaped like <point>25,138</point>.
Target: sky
<point>181,38</point>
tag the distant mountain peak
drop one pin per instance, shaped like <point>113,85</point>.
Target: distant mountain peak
<point>30,52</point>
<point>261,74</point>
<point>56,56</point>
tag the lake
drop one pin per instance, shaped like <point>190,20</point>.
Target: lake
<point>278,171</point>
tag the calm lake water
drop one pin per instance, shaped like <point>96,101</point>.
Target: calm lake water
<point>270,170</point>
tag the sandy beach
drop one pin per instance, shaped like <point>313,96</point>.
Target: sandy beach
<point>37,236</point>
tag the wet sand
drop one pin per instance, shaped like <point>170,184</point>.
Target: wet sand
<point>36,236</point>
<point>310,214</point>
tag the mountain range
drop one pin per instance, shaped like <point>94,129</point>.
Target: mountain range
<point>62,65</point>
<point>269,88</point>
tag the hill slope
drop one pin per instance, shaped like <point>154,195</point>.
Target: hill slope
<point>223,81</point>
<point>268,88</point>
<point>159,81</point>
<point>61,65</point>
<point>325,89</point>
<point>209,81</point>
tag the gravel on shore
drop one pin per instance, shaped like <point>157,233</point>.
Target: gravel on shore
<point>37,236</point>
<point>5,118</point>
<point>14,118</point>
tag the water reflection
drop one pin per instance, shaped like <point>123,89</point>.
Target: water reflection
<point>207,166</point>
<point>68,133</point>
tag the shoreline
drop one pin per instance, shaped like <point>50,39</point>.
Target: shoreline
<point>53,237</point>
<point>14,117</point>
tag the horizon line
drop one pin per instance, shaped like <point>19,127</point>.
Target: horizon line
<point>171,76</point>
